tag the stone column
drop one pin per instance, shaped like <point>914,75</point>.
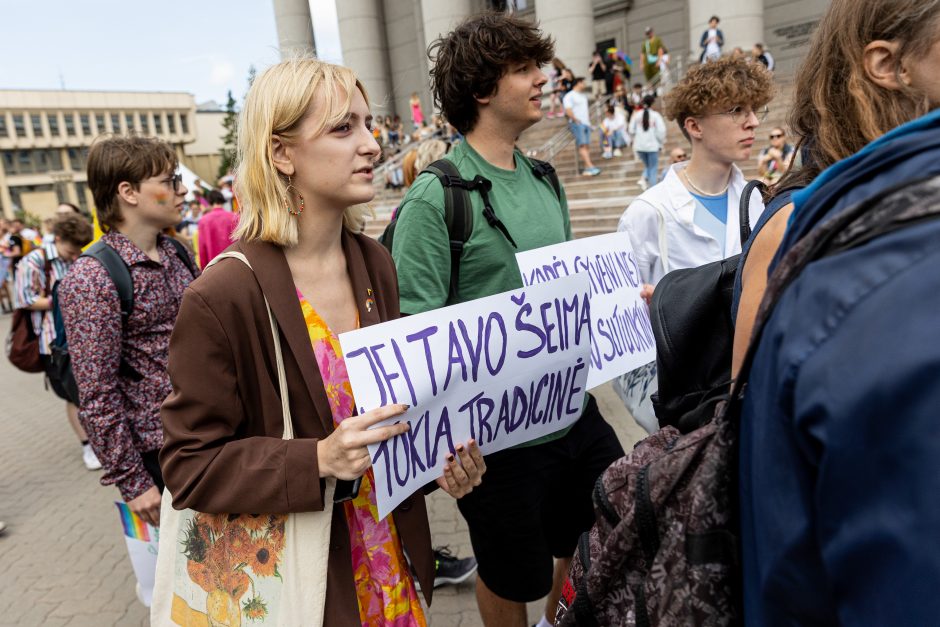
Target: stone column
<point>294,27</point>
<point>441,17</point>
<point>362,36</point>
<point>571,23</point>
<point>742,23</point>
<point>438,18</point>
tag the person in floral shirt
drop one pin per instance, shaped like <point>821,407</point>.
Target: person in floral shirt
<point>120,366</point>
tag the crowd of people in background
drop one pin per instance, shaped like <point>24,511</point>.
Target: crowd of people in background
<point>836,508</point>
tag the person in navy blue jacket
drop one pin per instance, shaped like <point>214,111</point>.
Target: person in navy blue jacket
<point>840,441</point>
<point>712,41</point>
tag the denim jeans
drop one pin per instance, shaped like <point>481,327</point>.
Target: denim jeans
<point>581,132</point>
<point>650,166</point>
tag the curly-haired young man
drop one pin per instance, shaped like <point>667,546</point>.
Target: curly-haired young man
<point>717,106</point>
<point>536,498</point>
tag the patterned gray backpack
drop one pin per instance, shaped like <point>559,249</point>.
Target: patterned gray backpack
<point>663,550</point>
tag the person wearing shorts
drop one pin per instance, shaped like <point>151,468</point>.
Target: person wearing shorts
<point>578,113</point>
<point>535,500</point>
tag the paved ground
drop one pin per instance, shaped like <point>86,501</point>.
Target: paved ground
<point>63,559</point>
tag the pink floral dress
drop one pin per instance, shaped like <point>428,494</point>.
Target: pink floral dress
<point>384,586</point>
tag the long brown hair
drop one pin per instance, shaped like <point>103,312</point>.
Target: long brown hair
<point>837,110</point>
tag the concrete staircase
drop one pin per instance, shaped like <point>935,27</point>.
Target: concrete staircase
<point>596,203</point>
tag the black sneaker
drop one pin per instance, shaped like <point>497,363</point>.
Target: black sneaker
<point>450,569</point>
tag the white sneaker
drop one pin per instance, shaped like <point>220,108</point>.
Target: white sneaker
<point>642,183</point>
<point>89,457</point>
<point>617,152</point>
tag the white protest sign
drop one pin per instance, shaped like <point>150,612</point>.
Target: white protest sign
<point>622,336</point>
<point>503,370</point>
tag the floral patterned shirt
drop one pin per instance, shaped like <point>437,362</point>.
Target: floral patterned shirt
<point>384,585</point>
<point>121,414</point>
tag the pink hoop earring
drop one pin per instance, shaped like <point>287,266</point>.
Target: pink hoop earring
<point>287,206</point>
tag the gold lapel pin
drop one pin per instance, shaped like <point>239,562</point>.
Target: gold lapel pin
<point>369,301</point>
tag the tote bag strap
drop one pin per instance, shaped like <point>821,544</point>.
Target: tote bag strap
<point>279,357</point>
<point>663,246</point>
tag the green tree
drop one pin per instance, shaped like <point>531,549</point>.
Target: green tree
<point>230,139</point>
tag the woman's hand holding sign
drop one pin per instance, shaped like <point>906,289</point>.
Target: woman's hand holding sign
<point>460,478</point>
<point>344,454</point>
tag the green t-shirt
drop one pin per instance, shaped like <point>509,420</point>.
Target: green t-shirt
<point>525,204</point>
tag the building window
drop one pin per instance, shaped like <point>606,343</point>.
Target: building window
<point>36,120</point>
<point>145,123</point>
<point>115,123</point>
<point>86,124</point>
<point>4,132</point>
<point>99,122</point>
<point>9,162</point>
<point>171,123</point>
<point>41,160</point>
<point>19,125</point>
<point>158,124</point>
<point>55,159</point>
<point>129,122</point>
<point>78,156</point>
<point>25,162</point>
<point>82,199</point>
<point>53,119</point>
<point>184,124</point>
<point>70,124</point>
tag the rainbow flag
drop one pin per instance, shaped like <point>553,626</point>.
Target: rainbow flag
<point>134,526</point>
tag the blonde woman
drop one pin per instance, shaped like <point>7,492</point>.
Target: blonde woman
<point>306,153</point>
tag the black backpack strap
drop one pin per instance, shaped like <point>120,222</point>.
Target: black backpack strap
<point>545,170</point>
<point>183,254</point>
<point>120,275</point>
<point>895,208</point>
<point>744,208</point>
<point>458,213</point>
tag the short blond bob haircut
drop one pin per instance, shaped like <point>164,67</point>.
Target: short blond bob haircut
<point>277,103</point>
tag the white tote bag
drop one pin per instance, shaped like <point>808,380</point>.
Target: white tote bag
<point>636,388</point>
<point>243,569</point>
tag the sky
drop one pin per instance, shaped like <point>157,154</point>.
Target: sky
<point>204,47</point>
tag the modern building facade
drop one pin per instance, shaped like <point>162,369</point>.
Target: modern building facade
<point>45,136</point>
<point>386,41</point>
<point>204,155</point>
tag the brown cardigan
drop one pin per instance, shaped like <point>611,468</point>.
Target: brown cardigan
<point>223,425</point>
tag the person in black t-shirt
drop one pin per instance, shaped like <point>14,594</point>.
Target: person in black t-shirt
<point>13,248</point>
<point>598,70</point>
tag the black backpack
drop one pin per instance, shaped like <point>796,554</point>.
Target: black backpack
<point>664,547</point>
<point>458,210</point>
<point>60,363</point>
<point>691,318</point>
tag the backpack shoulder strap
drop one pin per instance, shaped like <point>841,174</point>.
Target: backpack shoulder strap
<point>744,208</point>
<point>118,271</point>
<point>545,170</point>
<point>183,254</point>
<point>458,213</point>
<point>897,207</point>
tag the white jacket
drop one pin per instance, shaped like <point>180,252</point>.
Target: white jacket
<point>651,139</point>
<point>668,210</point>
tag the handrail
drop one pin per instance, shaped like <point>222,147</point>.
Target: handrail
<point>560,140</point>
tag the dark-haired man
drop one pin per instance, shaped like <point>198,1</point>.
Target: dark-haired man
<point>536,498</point>
<point>120,365</point>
